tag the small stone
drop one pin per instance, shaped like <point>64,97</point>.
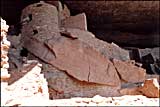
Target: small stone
<point>151,88</point>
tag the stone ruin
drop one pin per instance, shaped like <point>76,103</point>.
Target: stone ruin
<point>73,61</point>
<point>31,83</point>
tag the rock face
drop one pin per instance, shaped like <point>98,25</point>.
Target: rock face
<point>126,69</point>
<point>110,51</point>
<point>63,86</point>
<point>76,52</point>
<point>79,21</point>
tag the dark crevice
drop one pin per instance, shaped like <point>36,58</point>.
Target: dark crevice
<point>35,32</point>
<point>52,50</point>
<point>39,5</point>
<point>88,76</point>
<point>107,68</point>
<point>30,17</point>
<point>89,68</point>
<point>24,52</point>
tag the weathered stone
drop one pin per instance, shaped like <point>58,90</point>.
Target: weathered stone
<point>128,72</point>
<point>108,50</point>
<point>39,24</point>
<point>65,13</point>
<point>150,88</point>
<point>65,86</point>
<point>79,21</point>
<point>73,56</point>
<point>79,54</point>
<point>80,64</point>
<point>81,61</point>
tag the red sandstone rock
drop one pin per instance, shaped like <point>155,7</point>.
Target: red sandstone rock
<point>130,91</point>
<point>79,21</point>
<point>129,72</point>
<point>108,50</point>
<point>150,88</point>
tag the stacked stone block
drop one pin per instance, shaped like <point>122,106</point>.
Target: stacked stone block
<point>5,44</point>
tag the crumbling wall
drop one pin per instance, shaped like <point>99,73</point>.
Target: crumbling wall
<point>27,83</point>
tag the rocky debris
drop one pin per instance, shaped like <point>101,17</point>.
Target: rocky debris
<point>149,57</point>
<point>16,57</point>
<point>5,44</point>
<point>27,86</point>
<point>150,88</point>
<point>79,21</point>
